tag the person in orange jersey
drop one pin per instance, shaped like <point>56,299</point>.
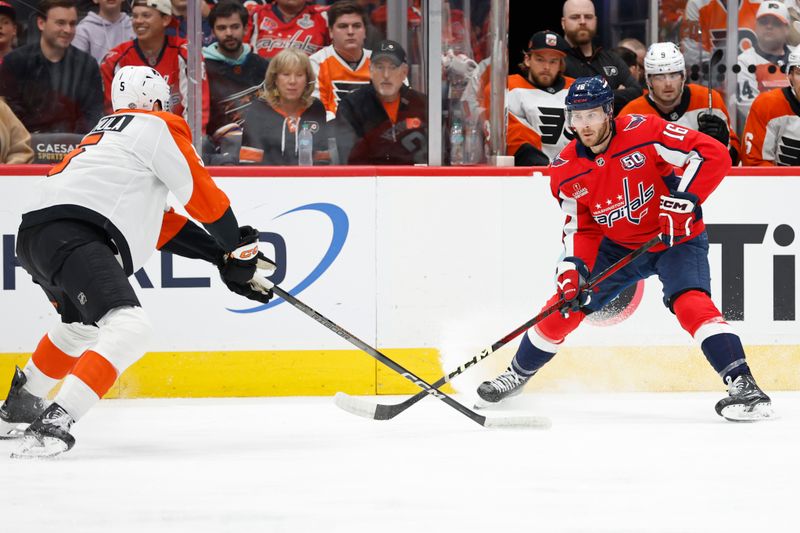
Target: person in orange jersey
<point>535,101</point>
<point>686,104</point>
<point>96,220</point>
<point>772,131</point>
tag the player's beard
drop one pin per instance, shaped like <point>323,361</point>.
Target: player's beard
<point>543,82</point>
<point>581,36</point>
<point>231,46</point>
<point>602,136</point>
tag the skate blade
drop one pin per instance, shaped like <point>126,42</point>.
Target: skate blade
<point>12,430</point>
<point>480,404</point>
<point>743,413</point>
<point>33,448</point>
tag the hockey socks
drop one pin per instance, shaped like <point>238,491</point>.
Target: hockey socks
<point>699,316</point>
<point>530,358</point>
<point>725,353</point>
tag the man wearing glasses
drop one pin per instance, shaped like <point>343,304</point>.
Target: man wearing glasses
<point>385,122</point>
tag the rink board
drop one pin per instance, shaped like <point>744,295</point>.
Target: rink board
<point>422,263</point>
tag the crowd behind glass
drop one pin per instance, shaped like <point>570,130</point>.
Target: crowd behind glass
<point>294,82</point>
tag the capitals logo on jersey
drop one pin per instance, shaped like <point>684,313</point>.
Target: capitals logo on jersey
<point>625,207</point>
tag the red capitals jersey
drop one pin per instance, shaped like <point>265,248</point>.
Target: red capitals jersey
<point>268,34</point>
<point>616,194</point>
<point>171,64</point>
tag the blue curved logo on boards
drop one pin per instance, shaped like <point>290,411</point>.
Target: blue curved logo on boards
<point>341,227</point>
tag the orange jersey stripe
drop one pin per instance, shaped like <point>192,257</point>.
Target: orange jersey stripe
<point>171,225</point>
<point>207,203</point>
<point>96,371</point>
<point>51,360</point>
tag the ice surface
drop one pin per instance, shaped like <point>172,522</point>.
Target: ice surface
<point>616,463</point>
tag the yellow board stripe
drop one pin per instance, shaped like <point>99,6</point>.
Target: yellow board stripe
<point>323,373</point>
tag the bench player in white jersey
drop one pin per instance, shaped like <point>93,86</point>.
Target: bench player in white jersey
<point>535,102</point>
<point>98,217</point>
<point>763,66</point>
<point>618,186</point>
<point>772,132</point>
<point>686,104</point>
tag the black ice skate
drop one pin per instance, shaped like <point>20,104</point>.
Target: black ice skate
<point>47,436</point>
<point>507,384</point>
<point>745,402</point>
<point>20,408</point>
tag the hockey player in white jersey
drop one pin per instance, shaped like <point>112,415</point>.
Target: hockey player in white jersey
<point>97,219</point>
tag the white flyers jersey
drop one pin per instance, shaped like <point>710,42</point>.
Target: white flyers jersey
<point>336,78</point>
<point>119,176</point>
<point>772,133</point>
<point>760,72</point>
<point>537,116</point>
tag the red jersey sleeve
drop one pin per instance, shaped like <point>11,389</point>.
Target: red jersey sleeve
<point>703,160</point>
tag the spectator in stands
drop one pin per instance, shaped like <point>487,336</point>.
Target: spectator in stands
<point>342,66</point>
<point>50,85</point>
<point>177,28</point>
<point>579,23</point>
<point>153,48</point>
<point>384,123</point>
<point>760,65</point>
<point>685,104</point>
<point>535,101</point>
<point>99,32</point>
<point>286,105</point>
<point>8,28</point>
<point>772,132</point>
<point>235,75</point>
<point>287,24</point>
<point>629,57</point>
<point>15,141</point>
<point>637,47</point>
<point>704,27</point>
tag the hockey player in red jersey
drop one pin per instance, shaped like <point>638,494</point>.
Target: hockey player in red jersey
<point>618,188</point>
<point>96,220</point>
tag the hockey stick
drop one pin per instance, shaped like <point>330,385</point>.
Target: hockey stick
<point>389,411</point>
<point>513,422</point>
<point>715,58</point>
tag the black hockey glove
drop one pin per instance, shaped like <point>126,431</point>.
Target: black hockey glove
<point>238,269</point>
<point>250,290</point>
<point>713,126</point>
<point>528,155</point>
<point>239,265</point>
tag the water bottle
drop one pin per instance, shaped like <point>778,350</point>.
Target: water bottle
<point>333,150</point>
<point>472,144</point>
<point>457,142</point>
<point>305,147</point>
